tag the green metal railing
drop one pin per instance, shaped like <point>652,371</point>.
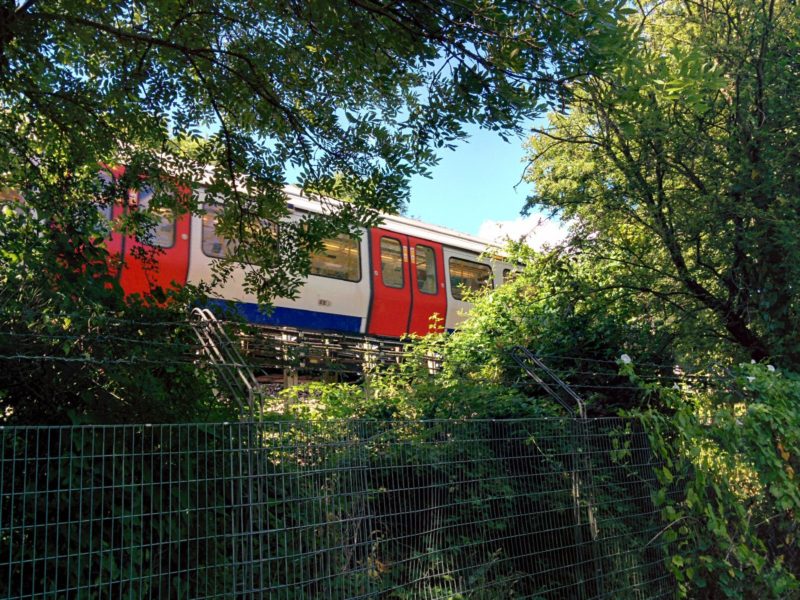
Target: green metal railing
<point>532,508</point>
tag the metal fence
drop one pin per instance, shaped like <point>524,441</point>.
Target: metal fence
<point>544,508</point>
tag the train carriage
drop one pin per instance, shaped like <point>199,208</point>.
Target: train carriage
<point>390,282</point>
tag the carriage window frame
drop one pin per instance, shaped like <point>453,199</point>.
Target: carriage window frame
<point>458,288</point>
<point>392,240</point>
<point>435,291</point>
<point>162,215</point>
<point>357,243</point>
<point>206,212</point>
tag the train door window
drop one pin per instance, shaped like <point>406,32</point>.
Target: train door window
<point>105,211</point>
<point>214,244</point>
<point>392,263</point>
<point>340,259</point>
<point>104,208</point>
<point>467,275</point>
<point>425,262</point>
<point>163,235</point>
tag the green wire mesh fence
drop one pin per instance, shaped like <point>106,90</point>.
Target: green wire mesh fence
<point>534,508</point>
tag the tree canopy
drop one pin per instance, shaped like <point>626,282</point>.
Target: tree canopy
<point>354,95</point>
<point>677,170</point>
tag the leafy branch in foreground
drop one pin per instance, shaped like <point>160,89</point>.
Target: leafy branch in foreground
<point>73,349</point>
<point>355,95</point>
<point>729,495</point>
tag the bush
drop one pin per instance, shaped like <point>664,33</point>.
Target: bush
<point>730,496</point>
<point>428,384</point>
<point>73,348</point>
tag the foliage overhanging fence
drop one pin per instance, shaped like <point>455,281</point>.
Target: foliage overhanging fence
<point>532,508</point>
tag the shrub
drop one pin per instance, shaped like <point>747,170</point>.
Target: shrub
<point>730,496</point>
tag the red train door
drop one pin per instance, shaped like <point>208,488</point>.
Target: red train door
<point>162,264</point>
<point>390,306</point>
<point>407,284</point>
<point>427,284</point>
<point>114,240</point>
<point>141,268</point>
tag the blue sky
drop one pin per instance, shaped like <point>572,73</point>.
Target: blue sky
<point>473,184</point>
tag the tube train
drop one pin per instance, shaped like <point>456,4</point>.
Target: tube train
<point>390,282</point>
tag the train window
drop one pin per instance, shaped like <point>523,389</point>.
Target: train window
<point>12,199</point>
<point>163,235</point>
<point>8,195</point>
<point>214,245</point>
<point>392,263</point>
<point>340,259</point>
<point>426,269</point>
<point>105,211</point>
<point>467,275</point>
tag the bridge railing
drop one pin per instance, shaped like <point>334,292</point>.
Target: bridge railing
<point>318,351</point>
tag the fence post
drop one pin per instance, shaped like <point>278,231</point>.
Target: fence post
<point>591,517</point>
<point>575,479</point>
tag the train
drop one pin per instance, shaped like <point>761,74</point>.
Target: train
<point>389,282</point>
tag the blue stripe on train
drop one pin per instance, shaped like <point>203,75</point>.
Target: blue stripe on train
<point>292,317</point>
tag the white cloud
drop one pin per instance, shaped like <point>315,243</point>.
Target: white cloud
<point>536,230</point>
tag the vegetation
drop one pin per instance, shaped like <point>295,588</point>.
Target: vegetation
<point>354,96</point>
<point>673,159</point>
<point>73,349</point>
<point>677,172</point>
<point>337,508</point>
<point>730,499</point>
<point>724,440</point>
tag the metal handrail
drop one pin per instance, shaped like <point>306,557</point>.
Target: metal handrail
<point>235,374</point>
<point>528,361</point>
<point>582,494</point>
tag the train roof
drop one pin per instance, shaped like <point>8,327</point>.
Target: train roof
<point>434,233</point>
